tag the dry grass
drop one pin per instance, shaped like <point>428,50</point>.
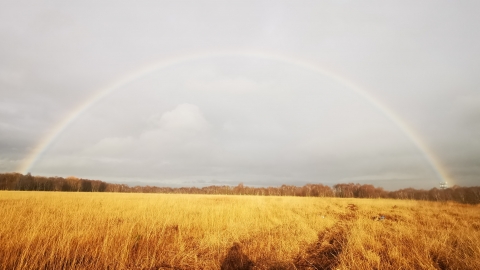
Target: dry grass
<point>153,231</point>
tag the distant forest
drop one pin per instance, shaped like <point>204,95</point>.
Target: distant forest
<point>17,181</point>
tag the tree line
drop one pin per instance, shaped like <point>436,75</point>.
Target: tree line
<point>17,181</point>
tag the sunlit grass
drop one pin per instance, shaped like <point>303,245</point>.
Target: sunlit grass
<point>157,231</point>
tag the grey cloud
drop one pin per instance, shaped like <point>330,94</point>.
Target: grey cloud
<point>249,120</point>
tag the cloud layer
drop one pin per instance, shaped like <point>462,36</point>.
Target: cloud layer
<point>236,118</point>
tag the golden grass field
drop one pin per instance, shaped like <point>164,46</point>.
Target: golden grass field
<point>49,230</point>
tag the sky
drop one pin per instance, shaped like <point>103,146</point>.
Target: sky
<point>198,93</point>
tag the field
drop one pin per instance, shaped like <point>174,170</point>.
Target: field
<point>56,230</point>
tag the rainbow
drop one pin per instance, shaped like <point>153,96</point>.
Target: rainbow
<point>58,129</point>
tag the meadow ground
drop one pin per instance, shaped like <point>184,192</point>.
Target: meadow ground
<point>158,231</point>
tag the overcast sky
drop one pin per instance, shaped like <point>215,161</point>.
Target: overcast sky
<point>255,114</point>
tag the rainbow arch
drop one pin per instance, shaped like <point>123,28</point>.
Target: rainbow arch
<point>35,154</point>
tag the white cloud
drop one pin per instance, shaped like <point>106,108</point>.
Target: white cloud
<point>171,134</point>
<point>185,117</point>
